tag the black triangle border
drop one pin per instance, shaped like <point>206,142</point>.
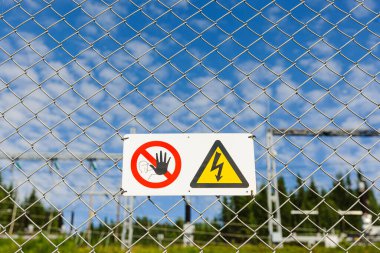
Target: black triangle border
<point>218,143</point>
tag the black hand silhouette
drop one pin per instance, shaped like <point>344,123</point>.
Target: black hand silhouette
<point>162,164</point>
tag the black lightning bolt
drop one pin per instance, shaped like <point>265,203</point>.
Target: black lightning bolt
<point>219,167</point>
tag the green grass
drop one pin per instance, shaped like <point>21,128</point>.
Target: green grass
<point>42,245</point>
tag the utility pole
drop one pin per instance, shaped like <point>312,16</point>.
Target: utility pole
<point>91,212</point>
<point>53,158</point>
<point>188,228</point>
<point>274,224</point>
<point>117,216</point>
<point>72,221</point>
<point>128,223</point>
<point>366,216</point>
<point>14,211</point>
<point>274,215</point>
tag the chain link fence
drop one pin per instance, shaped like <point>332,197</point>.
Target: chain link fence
<point>302,76</point>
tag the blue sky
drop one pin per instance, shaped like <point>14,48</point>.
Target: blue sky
<point>91,70</point>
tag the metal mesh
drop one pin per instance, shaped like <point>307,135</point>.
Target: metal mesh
<point>302,76</point>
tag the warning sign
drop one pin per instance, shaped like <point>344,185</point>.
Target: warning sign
<point>218,170</point>
<point>159,165</point>
<point>188,164</point>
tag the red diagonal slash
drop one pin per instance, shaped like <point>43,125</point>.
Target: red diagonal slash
<point>153,161</point>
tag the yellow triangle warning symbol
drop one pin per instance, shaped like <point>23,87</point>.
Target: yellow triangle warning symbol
<point>218,170</point>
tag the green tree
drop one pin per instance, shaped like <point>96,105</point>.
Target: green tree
<point>299,196</point>
<point>205,232</point>
<point>285,204</point>
<point>7,196</point>
<point>34,211</point>
<point>236,215</point>
<point>328,216</point>
<point>344,198</point>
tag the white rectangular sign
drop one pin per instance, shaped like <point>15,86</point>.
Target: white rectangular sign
<point>188,164</point>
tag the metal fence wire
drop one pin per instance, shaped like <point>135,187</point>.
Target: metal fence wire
<point>300,75</point>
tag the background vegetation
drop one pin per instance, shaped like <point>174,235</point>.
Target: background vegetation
<point>238,230</point>
<point>40,245</point>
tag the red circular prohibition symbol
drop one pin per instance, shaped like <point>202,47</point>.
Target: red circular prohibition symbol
<point>142,150</point>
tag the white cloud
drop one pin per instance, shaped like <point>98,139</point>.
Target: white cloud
<point>201,24</point>
<point>326,73</point>
<point>323,48</point>
<point>273,13</point>
<point>361,12</point>
<point>359,78</point>
<point>93,8</point>
<point>138,49</point>
<point>10,71</point>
